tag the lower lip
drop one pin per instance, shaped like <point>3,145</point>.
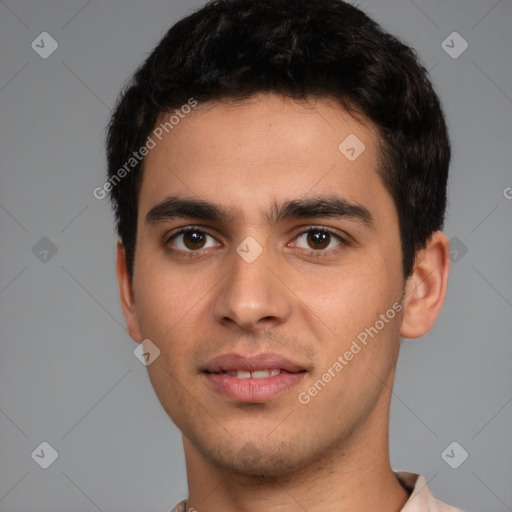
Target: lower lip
<point>253,390</point>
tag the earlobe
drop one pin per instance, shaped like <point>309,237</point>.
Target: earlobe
<point>126,296</point>
<point>425,288</point>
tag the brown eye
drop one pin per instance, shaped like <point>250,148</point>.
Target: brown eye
<point>193,239</point>
<point>189,240</point>
<point>318,239</point>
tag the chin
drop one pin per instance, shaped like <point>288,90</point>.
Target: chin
<point>247,458</point>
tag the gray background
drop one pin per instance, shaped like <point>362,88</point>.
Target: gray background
<point>68,375</point>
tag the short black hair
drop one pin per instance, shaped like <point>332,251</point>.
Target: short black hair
<point>234,49</point>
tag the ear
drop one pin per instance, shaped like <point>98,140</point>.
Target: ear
<point>126,294</point>
<point>425,288</point>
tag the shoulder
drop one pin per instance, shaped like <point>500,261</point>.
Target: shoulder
<point>421,498</point>
<point>180,507</point>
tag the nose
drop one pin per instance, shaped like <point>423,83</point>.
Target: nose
<point>252,297</point>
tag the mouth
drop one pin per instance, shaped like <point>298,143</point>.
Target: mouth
<point>256,374</point>
<point>252,379</point>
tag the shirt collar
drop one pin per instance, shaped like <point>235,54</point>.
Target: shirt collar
<point>420,497</point>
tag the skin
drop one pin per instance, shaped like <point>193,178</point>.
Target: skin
<point>332,453</point>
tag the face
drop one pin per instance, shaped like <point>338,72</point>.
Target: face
<point>297,259</point>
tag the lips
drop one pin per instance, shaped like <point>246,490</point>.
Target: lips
<point>260,362</point>
<point>252,378</point>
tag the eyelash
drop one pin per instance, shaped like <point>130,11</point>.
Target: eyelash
<point>315,253</point>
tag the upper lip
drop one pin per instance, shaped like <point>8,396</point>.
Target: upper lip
<point>250,363</point>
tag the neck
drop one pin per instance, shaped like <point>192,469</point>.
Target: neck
<point>355,475</point>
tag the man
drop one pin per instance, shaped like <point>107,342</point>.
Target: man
<point>278,171</point>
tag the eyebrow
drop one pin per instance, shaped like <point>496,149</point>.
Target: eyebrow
<point>332,206</point>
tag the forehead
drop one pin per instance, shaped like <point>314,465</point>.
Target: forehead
<point>247,156</point>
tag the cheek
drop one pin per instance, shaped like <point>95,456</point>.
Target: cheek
<point>160,297</point>
<point>347,299</point>
<point>165,312</point>
<point>171,301</point>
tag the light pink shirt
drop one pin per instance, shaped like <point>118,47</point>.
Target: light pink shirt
<point>420,499</point>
